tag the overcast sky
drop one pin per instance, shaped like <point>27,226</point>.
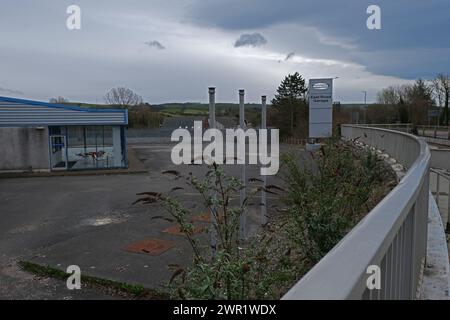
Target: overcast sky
<point>172,51</point>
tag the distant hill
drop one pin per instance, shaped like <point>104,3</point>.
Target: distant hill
<point>192,108</point>
<point>353,105</point>
<point>167,106</point>
<point>87,105</point>
<point>195,109</point>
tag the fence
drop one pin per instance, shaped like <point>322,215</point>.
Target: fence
<point>443,208</point>
<point>392,236</point>
<point>435,132</point>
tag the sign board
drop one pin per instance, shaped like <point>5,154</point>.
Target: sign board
<point>433,113</point>
<point>320,108</point>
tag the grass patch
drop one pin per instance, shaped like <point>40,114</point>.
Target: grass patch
<point>111,287</point>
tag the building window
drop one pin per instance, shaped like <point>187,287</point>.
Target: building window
<point>92,147</point>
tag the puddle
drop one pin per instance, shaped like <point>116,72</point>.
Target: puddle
<point>105,220</point>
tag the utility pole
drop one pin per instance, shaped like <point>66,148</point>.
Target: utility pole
<point>365,105</point>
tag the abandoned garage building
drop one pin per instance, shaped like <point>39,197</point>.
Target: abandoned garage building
<point>38,136</point>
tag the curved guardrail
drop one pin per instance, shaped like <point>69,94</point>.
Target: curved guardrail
<point>393,236</point>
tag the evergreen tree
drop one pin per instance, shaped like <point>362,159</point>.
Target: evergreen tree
<point>290,102</point>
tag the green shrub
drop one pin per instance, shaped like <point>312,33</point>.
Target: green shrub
<point>323,203</point>
<point>326,201</point>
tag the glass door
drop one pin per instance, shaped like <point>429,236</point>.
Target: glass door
<point>58,156</point>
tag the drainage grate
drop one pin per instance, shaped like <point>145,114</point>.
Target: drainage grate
<point>153,247</point>
<point>206,217</point>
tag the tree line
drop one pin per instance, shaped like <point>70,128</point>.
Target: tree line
<point>420,103</point>
<point>140,114</point>
<point>411,103</point>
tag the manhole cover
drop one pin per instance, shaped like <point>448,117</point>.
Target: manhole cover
<point>153,247</point>
<point>176,230</point>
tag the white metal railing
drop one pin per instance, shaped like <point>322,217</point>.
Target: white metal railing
<point>392,236</point>
<point>436,132</point>
<point>446,207</point>
<point>431,131</point>
<point>405,127</point>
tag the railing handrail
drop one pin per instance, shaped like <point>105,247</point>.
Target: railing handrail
<point>445,175</point>
<point>341,273</point>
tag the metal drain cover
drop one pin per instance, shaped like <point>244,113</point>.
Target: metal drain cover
<point>153,247</point>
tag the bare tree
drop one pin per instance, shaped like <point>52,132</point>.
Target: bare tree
<point>437,92</point>
<point>58,100</point>
<point>123,97</point>
<point>388,96</point>
<point>411,102</point>
<point>441,86</point>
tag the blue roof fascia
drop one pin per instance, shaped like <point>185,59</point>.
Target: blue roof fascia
<point>52,105</point>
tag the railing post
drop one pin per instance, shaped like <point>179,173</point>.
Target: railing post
<point>438,177</point>
<point>448,208</point>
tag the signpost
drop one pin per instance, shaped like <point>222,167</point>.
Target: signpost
<point>320,108</point>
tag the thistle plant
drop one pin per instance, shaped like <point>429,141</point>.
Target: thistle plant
<point>223,273</point>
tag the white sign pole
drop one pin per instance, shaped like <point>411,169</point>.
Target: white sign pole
<point>264,177</point>
<point>242,194</point>
<point>212,124</point>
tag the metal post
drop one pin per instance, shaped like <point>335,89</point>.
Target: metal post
<point>212,107</point>
<point>448,207</point>
<point>212,124</point>
<point>437,187</point>
<point>242,193</point>
<point>264,178</point>
<point>365,106</point>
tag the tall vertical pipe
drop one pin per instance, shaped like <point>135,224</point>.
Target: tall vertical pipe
<point>212,107</point>
<point>242,194</point>
<point>212,124</point>
<point>264,178</point>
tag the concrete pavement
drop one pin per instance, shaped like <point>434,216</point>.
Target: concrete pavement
<point>89,220</point>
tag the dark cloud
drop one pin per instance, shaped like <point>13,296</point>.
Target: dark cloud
<point>419,27</point>
<point>404,22</point>
<point>289,56</point>
<point>250,40</point>
<point>414,42</point>
<point>155,44</point>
